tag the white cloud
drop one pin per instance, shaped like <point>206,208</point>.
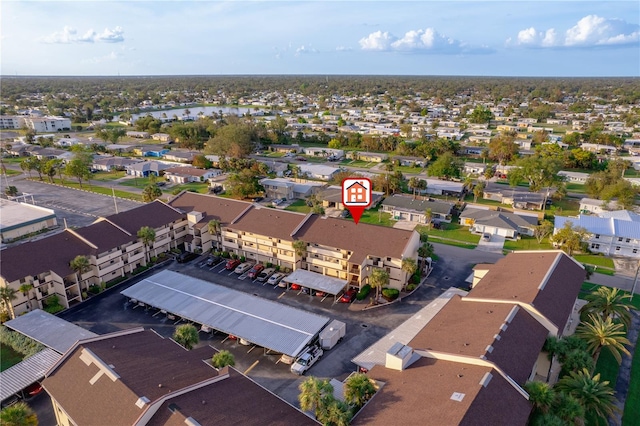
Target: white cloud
<point>106,58</point>
<point>305,49</point>
<point>70,35</point>
<point>343,49</point>
<point>427,40</point>
<point>592,30</point>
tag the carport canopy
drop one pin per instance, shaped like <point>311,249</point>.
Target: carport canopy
<point>27,372</point>
<point>49,330</point>
<point>271,325</point>
<point>316,281</point>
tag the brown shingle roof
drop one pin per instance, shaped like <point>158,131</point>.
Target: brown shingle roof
<point>266,221</point>
<point>48,254</point>
<point>105,235</point>
<point>518,276</point>
<point>469,328</point>
<point>143,360</point>
<point>222,209</point>
<point>154,215</point>
<point>235,400</point>
<point>361,239</point>
<point>421,395</point>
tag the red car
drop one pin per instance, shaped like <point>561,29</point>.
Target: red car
<point>253,273</point>
<point>349,296</point>
<point>231,264</point>
<point>295,286</point>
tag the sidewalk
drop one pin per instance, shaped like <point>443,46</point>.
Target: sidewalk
<point>622,282</point>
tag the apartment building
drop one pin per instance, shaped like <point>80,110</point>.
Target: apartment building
<point>48,124</point>
<point>11,122</point>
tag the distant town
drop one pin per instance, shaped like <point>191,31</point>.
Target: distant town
<point>178,249</point>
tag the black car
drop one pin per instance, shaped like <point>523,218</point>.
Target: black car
<point>186,256</point>
<point>213,260</point>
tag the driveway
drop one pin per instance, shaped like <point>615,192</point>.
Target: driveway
<point>494,245</point>
<point>405,224</point>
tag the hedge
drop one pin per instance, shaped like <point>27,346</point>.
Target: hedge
<point>19,342</point>
<point>390,293</point>
<point>364,292</point>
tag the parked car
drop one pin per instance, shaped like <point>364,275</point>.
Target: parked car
<point>486,237</point>
<point>275,278</point>
<point>349,296</point>
<point>253,273</point>
<point>231,264</point>
<point>186,256</point>
<point>257,199</point>
<point>242,268</point>
<point>213,260</point>
<point>265,274</point>
<point>295,286</point>
<point>306,360</point>
<point>301,159</point>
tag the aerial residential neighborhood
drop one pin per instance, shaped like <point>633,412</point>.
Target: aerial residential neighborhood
<point>322,213</point>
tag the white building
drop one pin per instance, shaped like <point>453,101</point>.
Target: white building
<point>11,122</point>
<point>48,124</point>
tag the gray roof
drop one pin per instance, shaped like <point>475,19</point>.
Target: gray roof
<point>404,333</point>
<point>268,324</point>
<point>49,330</point>
<point>27,372</point>
<point>500,219</point>
<point>316,281</point>
<point>408,203</point>
<point>603,225</point>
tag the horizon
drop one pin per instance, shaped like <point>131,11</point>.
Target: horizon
<point>482,38</point>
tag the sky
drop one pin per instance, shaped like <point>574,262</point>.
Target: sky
<point>485,38</point>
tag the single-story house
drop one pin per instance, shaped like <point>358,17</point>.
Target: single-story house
<point>189,174</point>
<point>119,148</point>
<point>180,156</point>
<point>146,168</point>
<point>473,150</point>
<point>138,135</point>
<point>112,163</point>
<point>331,197</point>
<point>444,187</point>
<point>23,149</point>
<point>574,177</point>
<point>373,157</point>
<point>318,171</point>
<point>324,152</point>
<point>67,142</point>
<point>404,207</point>
<point>52,153</point>
<point>410,161</point>
<point>517,196</point>
<point>596,147</point>
<point>162,137</point>
<point>506,224</point>
<point>474,168</point>
<point>591,205</point>
<point>150,151</point>
<point>285,188</point>
<point>285,148</point>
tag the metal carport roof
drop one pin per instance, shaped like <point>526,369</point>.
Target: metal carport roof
<point>49,330</point>
<point>21,375</point>
<point>316,281</point>
<point>268,324</point>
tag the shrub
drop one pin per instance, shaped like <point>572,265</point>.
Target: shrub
<point>19,342</point>
<point>243,259</point>
<point>153,259</point>
<point>364,292</point>
<point>140,269</point>
<point>415,278</point>
<point>390,293</point>
<point>411,287</point>
<point>114,281</point>
<point>225,254</point>
<point>269,264</point>
<point>234,256</point>
<point>52,304</point>
<point>94,289</point>
<point>277,268</point>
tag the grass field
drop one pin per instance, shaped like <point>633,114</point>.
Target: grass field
<point>451,231</point>
<point>591,259</point>
<point>632,404</point>
<point>299,206</point>
<point>8,357</point>
<point>357,163</point>
<point>409,169</point>
<point>576,187</point>
<point>201,188</point>
<point>374,217</point>
<point>12,172</point>
<point>527,243</point>
<point>108,176</point>
<point>138,182</point>
<point>564,207</point>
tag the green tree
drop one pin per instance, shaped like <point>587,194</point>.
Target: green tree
<point>51,167</point>
<point>11,191</point>
<point>424,251</point>
<point>147,235</point>
<point>569,238</point>
<point>503,148</point>
<point>481,115</point>
<point>300,248</point>
<point>201,162</point>
<point>608,303</point>
<point>244,183</point>
<point>413,184</point>
<point>315,394</point>
<point>151,192</point>
<point>569,409</point>
<point>25,289</point>
<point>594,395</point>
<point>446,166</point>
<point>378,279</point>
<point>18,414</point>
<point>358,389</point>
<point>603,333</point>
<point>541,395</point>
<point>8,295</point>
<point>409,266</point>
<point>336,413</point>
<point>214,230</point>
<point>478,190</point>
<point>222,359</point>
<point>543,230</point>
<point>80,265</point>
<point>186,335</point>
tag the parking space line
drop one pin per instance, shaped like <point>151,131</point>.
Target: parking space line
<point>282,294</point>
<point>251,367</point>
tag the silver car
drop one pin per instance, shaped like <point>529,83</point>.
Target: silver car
<point>243,267</point>
<point>275,278</point>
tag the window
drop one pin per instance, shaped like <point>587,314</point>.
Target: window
<point>619,238</point>
<point>617,248</point>
<point>635,251</point>
<point>597,236</point>
<point>627,240</point>
<point>595,246</point>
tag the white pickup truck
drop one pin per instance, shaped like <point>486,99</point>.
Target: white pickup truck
<point>306,360</point>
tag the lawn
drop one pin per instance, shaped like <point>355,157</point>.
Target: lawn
<point>299,206</point>
<point>275,154</point>
<point>565,207</point>
<point>451,232</point>
<point>376,217</point>
<point>591,259</point>
<point>527,243</point>
<point>8,357</point>
<point>202,188</point>
<point>632,404</point>
<point>357,163</point>
<point>576,187</point>
<point>13,160</point>
<point>409,169</point>
<point>108,176</point>
<point>99,189</point>
<point>10,172</point>
<point>138,182</point>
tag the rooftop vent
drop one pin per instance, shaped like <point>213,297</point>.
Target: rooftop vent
<point>486,379</point>
<point>398,356</point>
<point>457,396</point>
<point>142,401</point>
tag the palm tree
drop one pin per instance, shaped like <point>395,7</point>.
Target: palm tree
<point>358,389</point>
<point>300,248</point>
<point>594,395</point>
<point>379,278</point>
<point>186,335</point>
<point>609,303</point>
<point>425,251</point>
<point>409,266</point>
<point>148,236</point>
<point>422,185</point>
<point>222,359</point>
<point>80,265</point>
<point>26,289</point>
<point>568,408</point>
<point>336,413</point>
<point>428,215</point>
<point>599,333</point>
<point>214,227</point>
<point>413,184</point>
<point>19,414</point>
<point>314,395</point>
<point>541,395</point>
<point>7,295</point>
<point>478,190</point>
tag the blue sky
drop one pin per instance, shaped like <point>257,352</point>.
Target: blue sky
<point>515,38</point>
